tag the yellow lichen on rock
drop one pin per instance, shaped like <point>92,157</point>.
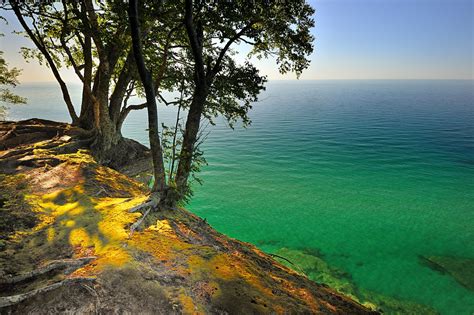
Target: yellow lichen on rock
<point>188,304</point>
<point>88,224</point>
<point>161,226</point>
<point>115,216</point>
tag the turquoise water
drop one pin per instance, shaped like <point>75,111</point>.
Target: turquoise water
<point>371,173</point>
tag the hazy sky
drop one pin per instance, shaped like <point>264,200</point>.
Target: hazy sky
<point>355,39</point>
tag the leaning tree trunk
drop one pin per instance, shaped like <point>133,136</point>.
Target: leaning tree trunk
<point>195,36</point>
<point>145,76</point>
<point>189,140</point>
<point>42,47</point>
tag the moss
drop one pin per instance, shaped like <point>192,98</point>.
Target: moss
<point>91,225</point>
<point>187,303</point>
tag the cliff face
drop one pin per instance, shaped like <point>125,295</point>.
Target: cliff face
<point>66,244</point>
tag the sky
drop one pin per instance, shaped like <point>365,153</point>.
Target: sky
<point>354,39</point>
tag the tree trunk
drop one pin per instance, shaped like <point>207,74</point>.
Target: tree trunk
<point>195,36</point>
<point>189,139</point>
<point>145,76</point>
<point>120,89</point>
<point>86,117</point>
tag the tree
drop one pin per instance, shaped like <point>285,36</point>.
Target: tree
<point>182,46</point>
<point>8,77</point>
<point>93,39</point>
<point>148,85</point>
<point>221,85</point>
<point>213,82</point>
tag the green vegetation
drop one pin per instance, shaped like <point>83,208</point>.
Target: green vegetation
<point>8,78</point>
<point>214,82</point>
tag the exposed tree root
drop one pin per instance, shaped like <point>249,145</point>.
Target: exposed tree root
<point>15,299</point>
<point>150,203</point>
<point>120,155</point>
<point>34,130</point>
<point>73,146</point>
<point>94,293</point>
<point>69,264</point>
<point>17,139</point>
<point>139,221</point>
<point>20,152</point>
<point>7,134</point>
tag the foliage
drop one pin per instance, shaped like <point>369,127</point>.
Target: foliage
<point>216,82</point>
<point>270,29</point>
<point>187,47</point>
<point>93,39</point>
<point>171,141</point>
<point>8,77</point>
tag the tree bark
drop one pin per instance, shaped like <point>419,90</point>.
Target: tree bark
<point>197,105</point>
<point>120,89</point>
<point>86,117</point>
<point>193,122</point>
<point>145,76</point>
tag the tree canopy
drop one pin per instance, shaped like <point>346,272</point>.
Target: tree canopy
<point>182,46</point>
<point>215,83</point>
<point>93,39</point>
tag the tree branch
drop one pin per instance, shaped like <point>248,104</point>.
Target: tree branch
<point>69,264</point>
<point>224,50</point>
<point>40,45</point>
<point>164,61</point>
<point>65,46</point>
<point>92,19</point>
<point>167,102</point>
<point>193,40</point>
<point>120,88</point>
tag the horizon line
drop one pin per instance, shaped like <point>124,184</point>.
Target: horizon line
<point>299,80</point>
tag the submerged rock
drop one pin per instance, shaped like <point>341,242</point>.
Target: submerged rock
<point>461,269</point>
<point>316,269</point>
<point>70,249</point>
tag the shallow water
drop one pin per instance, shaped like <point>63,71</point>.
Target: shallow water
<point>371,173</point>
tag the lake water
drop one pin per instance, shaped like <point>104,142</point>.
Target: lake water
<point>372,174</point>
